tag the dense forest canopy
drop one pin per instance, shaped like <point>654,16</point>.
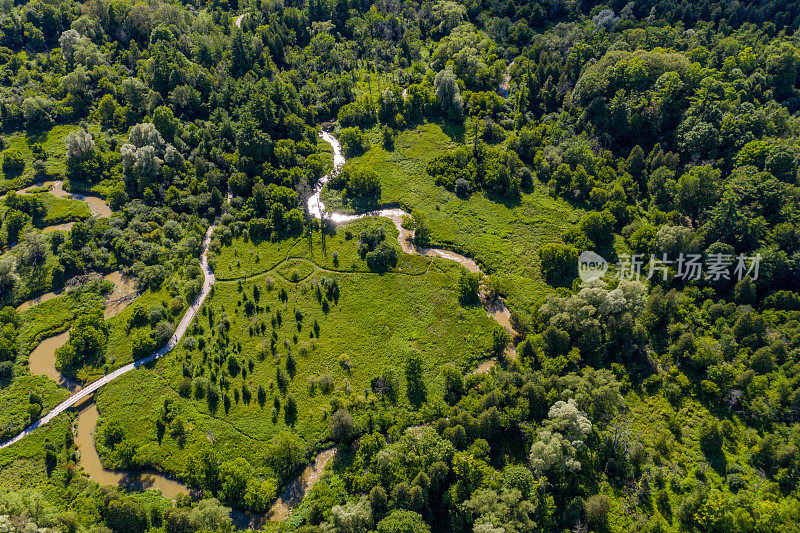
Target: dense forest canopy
<point>517,133</point>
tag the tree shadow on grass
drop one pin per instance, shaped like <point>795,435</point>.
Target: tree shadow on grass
<point>365,204</point>
<point>36,136</point>
<point>15,176</point>
<point>505,201</point>
<point>453,130</point>
<point>716,459</point>
<point>389,147</point>
<point>150,365</point>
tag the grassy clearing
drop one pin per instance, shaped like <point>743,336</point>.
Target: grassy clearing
<point>502,237</point>
<point>251,257</point>
<point>63,209</point>
<point>295,270</point>
<point>57,210</point>
<point>378,320</point>
<point>248,258</point>
<point>22,466</point>
<point>55,154</point>
<point>18,398</point>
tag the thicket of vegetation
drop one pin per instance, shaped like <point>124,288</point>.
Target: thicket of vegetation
<point>665,404</point>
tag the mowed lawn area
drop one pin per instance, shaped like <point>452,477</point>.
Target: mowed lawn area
<point>503,237</point>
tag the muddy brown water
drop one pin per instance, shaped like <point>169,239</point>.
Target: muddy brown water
<point>66,226</point>
<point>42,361</point>
<point>97,206</point>
<point>86,425</point>
<point>54,187</point>
<point>122,295</point>
<point>494,308</point>
<point>39,299</point>
<point>299,487</point>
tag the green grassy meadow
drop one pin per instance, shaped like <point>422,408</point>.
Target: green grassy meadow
<point>119,346</point>
<point>61,210</point>
<point>378,320</point>
<point>245,258</point>
<point>268,290</point>
<point>57,210</point>
<point>501,236</point>
<point>55,154</point>
<point>22,466</point>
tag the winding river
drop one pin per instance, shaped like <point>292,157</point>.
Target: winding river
<point>86,424</point>
<point>42,362</point>
<point>495,308</point>
<point>97,206</point>
<point>295,491</point>
<point>120,297</point>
